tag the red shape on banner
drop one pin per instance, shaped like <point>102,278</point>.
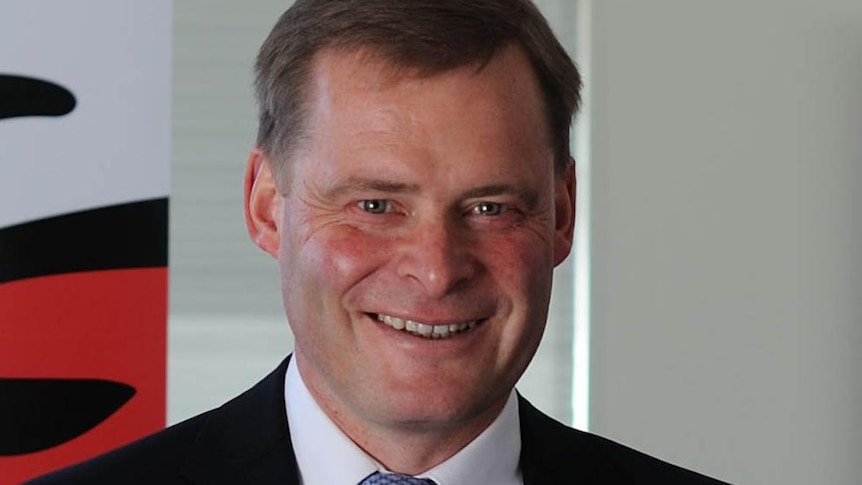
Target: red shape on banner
<point>106,325</point>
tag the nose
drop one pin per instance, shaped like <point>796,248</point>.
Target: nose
<point>437,258</point>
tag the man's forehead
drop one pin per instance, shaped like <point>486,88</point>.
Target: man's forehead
<point>361,84</point>
<point>348,85</point>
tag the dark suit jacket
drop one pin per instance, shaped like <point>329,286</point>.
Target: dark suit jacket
<point>247,442</point>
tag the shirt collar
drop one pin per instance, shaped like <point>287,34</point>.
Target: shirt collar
<point>492,457</point>
<point>318,444</point>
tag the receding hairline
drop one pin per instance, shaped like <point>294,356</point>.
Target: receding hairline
<point>394,73</point>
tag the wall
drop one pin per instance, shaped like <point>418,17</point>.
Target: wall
<point>226,326</point>
<point>726,269</point>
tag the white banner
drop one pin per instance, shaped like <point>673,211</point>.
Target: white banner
<point>114,57</point>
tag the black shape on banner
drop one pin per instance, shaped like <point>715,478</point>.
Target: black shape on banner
<point>26,96</point>
<point>37,414</point>
<point>133,235</point>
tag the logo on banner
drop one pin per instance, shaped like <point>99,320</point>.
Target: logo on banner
<point>84,178</point>
<point>58,276</point>
<point>38,414</point>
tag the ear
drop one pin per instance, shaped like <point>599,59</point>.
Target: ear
<point>565,190</point>
<point>263,203</point>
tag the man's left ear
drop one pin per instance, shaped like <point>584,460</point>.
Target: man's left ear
<point>263,203</point>
<point>565,189</point>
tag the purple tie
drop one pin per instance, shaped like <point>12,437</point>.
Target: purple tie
<point>378,478</point>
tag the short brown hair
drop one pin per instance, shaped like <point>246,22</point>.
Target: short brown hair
<point>429,36</point>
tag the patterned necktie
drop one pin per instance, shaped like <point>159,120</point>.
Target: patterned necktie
<point>378,478</point>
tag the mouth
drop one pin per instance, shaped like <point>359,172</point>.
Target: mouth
<point>427,330</point>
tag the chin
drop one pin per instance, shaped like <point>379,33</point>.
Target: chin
<point>432,409</point>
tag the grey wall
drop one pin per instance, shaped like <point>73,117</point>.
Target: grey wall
<point>226,327</point>
<point>727,269</point>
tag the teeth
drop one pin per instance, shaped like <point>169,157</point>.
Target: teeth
<point>424,329</point>
<point>393,322</point>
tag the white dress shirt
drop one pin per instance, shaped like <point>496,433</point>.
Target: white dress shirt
<point>326,456</point>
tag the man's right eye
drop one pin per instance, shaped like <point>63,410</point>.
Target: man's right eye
<point>375,206</point>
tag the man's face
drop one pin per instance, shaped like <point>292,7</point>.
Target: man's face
<point>425,203</point>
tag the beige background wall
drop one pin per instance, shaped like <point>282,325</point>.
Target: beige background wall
<point>727,227</point>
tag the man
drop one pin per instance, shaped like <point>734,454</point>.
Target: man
<point>412,178</point>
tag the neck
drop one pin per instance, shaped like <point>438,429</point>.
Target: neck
<point>403,446</point>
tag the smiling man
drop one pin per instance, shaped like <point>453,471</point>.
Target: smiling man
<point>412,178</point>
<point>416,224</point>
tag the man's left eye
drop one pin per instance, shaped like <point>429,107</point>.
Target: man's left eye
<point>375,206</point>
<point>489,209</point>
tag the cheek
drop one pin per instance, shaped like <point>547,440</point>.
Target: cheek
<point>324,266</point>
<point>318,274</point>
<point>523,264</point>
<point>522,270</point>
<point>350,254</point>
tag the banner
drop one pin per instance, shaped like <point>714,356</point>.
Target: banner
<point>84,182</point>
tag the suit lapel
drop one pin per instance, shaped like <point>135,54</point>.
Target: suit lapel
<point>246,440</point>
<point>554,453</point>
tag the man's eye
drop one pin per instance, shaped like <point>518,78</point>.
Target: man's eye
<point>375,206</point>
<point>489,209</point>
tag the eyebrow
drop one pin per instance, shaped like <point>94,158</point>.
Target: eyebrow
<point>369,184</point>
